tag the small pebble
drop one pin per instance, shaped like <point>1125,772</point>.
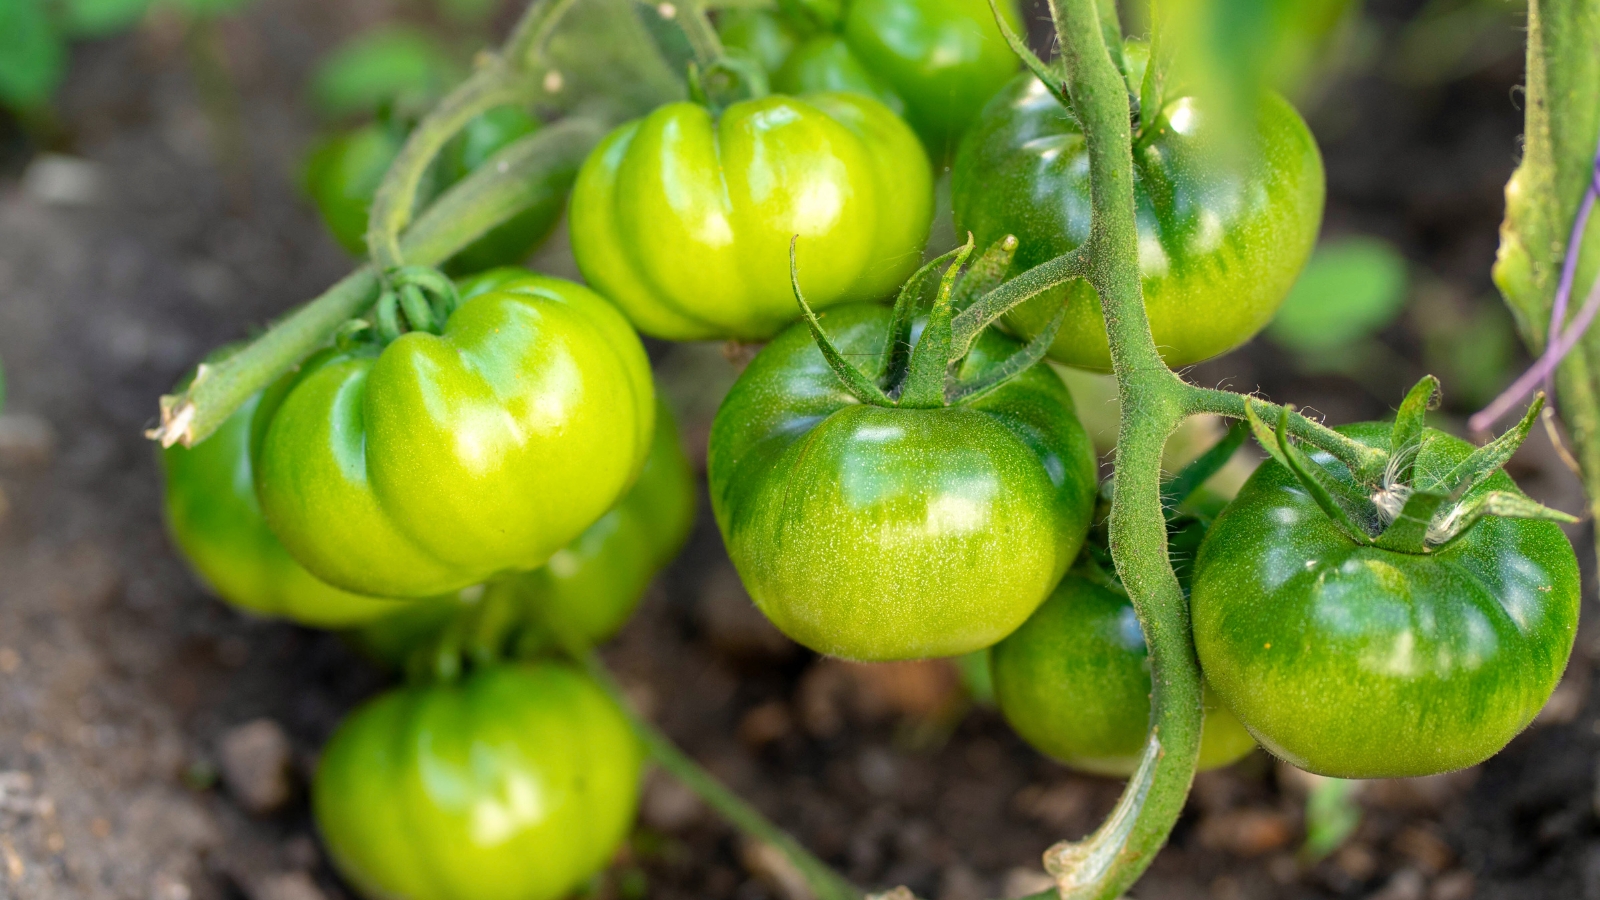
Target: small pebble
<point>668,806</point>
<point>256,759</point>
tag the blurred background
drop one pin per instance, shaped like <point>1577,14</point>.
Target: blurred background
<point>156,744</point>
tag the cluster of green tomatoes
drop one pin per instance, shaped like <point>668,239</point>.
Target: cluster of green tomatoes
<point>487,481</point>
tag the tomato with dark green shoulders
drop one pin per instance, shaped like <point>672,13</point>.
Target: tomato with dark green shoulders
<point>517,782</point>
<point>1221,240</point>
<point>439,461</point>
<point>1357,661</point>
<point>1074,681</point>
<point>591,586</point>
<point>215,519</point>
<point>684,218</point>
<point>879,533</point>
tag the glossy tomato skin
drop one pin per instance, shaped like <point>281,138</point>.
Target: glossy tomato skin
<point>592,585</point>
<point>344,171</point>
<point>1074,681</point>
<point>1358,662</point>
<point>684,220</point>
<point>826,63</point>
<point>443,460</point>
<point>872,533</point>
<point>944,58</point>
<point>215,519</point>
<point>516,783</point>
<point>1220,246</point>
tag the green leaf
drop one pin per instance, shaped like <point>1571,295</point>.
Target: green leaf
<point>1332,816</point>
<point>32,55</point>
<point>100,18</point>
<point>396,65</point>
<point>1351,289</point>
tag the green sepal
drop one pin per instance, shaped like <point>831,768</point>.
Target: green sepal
<point>1041,70</point>
<point>1406,437</point>
<point>1309,474</point>
<point>1504,504</point>
<point>1408,533</point>
<point>1488,459</point>
<point>1014,365</point>
<point>931,358</point>
<point>1201,468</point>
<point>897,349</point>
<point>1013,293</point>
<point>1153,85</point>
<point>986,274</point>
<point>851,378</point>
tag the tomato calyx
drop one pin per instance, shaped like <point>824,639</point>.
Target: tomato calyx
<point>1404,509</point>
<point>920,372</point>
<point>726,81</point>
<point>413,298</point>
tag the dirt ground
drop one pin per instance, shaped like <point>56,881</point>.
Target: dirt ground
<point>122,684</point>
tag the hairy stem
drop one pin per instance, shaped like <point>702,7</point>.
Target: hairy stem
<point>539,165</point>
<point>697,28</point>
<point>1367,463</point>
<point>1103,865</point>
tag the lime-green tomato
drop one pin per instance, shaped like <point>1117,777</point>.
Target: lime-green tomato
<point>516,783</point>
<point>944,58</point>
<point>758,35</point>
<point>826,63</point>
<point>1220,241</point>
<point>592,585</point>
<point>1074,681</point>
<point>445,459</point>
<point>876,533</point>
<point>1358,662</point>
<point>342,176</point>
<point>216,521</point>
<point>344,171</point>
<point>684,219</point>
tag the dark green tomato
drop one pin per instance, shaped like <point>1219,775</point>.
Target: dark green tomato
<point>826,63</point>
<point>684,219</point>
<point>1220,243</point>
<point>344,171</point>
<point>216,521</point>
<point>1074,681</point>
<point>1356,662</point>
<point>592,585</point>
<point>516,783</point>
<point>945,58</point>
<point>757,35</point>
<point>875,533</point>
<point>443,460</point>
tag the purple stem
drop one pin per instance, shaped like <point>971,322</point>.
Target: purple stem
<point>1561,339</point>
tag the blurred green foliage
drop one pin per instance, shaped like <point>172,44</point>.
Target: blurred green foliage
<point>1332,816</point>
<point>87,19</point>
<point>33,56</point>
<point>1351,289</point>
<point>396,66</point>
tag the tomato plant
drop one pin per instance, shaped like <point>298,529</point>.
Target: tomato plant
<point>1362,657</point>
<point>438,460</point>
<point>683,218</point>
<point>874,529</point>
<point>517,781</point>
<point>1220,241</point>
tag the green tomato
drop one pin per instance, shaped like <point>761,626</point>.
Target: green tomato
<point>344,171</point>
<point>826,63</point>
<point>758,35</point>
<point>1359,662</point>
<point>216,521</point>
<point>516,783</point>
<point>1074,681</point>
<point>684,219</point>
<point>441,460</point>
<point>876,533</point>
<point>1220,243</point>
<point>592,585</point>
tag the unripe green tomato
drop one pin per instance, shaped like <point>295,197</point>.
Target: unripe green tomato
<point>1074,681</point>
<point>516,783</point>
<point>684,219</point>
<point>874,533</point>
<point>442,460</point>
<point>826,63</point>
<point>1220,241</point>
<point>757,35</point>
<point>590,587</point>
<point>344,171</point>
<point>216,521</point>
<point>1358,662</point>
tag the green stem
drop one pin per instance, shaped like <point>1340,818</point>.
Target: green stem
<point>1103,865</point>
<point>1366,463</point>
<point>702,35</point>
<point>535,167</point>
<point>824,881</point>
